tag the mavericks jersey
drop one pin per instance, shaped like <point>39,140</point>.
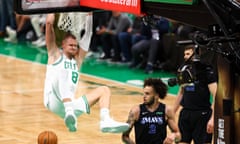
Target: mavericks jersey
<point>61,79</point>
<point>151,126</point>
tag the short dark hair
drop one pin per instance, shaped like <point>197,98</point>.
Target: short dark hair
<point>188,47</point>
<point>158,85</point>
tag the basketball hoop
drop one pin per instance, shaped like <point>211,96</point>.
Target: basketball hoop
<point>77,23</point>
<point>71,21</point>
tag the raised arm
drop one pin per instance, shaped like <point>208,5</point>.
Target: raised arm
<point>51,39</point>
<point>132,117</point>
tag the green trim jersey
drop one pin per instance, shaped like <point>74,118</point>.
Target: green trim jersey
<point>61,79</point>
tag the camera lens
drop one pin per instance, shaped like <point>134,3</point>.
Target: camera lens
<point>172,82</point>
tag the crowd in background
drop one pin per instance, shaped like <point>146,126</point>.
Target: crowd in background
<point>122,38</point>
<point>147,43</point>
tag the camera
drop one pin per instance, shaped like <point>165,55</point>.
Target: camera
<point>185,75</point>
<point>172,82</point>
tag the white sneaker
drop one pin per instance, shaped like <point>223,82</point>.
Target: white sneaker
<point>37,41</point>
<point>112,126</point>
<point>40,42</point>
<point>12,35</point>
<point>71,121</point>
<point>9,39</point>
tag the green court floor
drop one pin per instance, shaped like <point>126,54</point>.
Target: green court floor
<point>91,65</point>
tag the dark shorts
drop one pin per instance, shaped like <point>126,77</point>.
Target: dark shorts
<point>192,125</point>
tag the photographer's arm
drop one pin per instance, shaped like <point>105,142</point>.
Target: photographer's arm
<point>178,99</point>
<point>213,89</point>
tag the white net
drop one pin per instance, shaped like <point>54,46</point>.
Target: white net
<point>77,23</point>
<point>72,21</point>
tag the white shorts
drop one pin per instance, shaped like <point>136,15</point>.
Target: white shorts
<point>55,105</point>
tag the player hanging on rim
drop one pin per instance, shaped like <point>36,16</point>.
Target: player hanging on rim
<point>62,77</point>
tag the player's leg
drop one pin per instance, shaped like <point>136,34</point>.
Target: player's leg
<point>102,95</point>
<point>64,110</point>
<point>70,118</point>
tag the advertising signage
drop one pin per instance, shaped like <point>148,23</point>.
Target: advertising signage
<point>130,6</point>
<point>184,2</point>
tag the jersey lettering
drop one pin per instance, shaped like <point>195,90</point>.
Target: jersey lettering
<point>158,120</point>
<point>152,129</point>
<point>74,77</point>
<point>69,65</point>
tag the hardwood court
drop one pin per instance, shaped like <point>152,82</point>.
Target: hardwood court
<point>23,115</point>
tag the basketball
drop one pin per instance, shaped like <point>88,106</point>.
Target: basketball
<point>47,137</point>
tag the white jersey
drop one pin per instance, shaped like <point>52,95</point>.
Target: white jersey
<point>61,79</point>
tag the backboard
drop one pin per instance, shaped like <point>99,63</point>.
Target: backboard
<point>48,6</point>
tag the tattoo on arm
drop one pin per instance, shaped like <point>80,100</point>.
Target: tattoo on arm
<point>130,118</point>
<point>125,137</point>
<point>130,121</point>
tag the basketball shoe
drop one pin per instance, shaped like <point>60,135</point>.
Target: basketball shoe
<point>111,126</point>
<point>12,35</point>
<point>39,42</point>
<point>70,120</point>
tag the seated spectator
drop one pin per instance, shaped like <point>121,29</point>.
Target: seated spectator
<point>8,18</point>
<point>146,51</point>
<point>135,33</point>
<point>38,23</point>
<point>24,31</point>
<point>100,21</point>
<point>119,22</point>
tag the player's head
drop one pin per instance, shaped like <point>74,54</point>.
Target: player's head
<point>69,44</point>
<point>153,87</point>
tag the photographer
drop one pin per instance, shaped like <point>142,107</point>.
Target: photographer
<point>198,82</point>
